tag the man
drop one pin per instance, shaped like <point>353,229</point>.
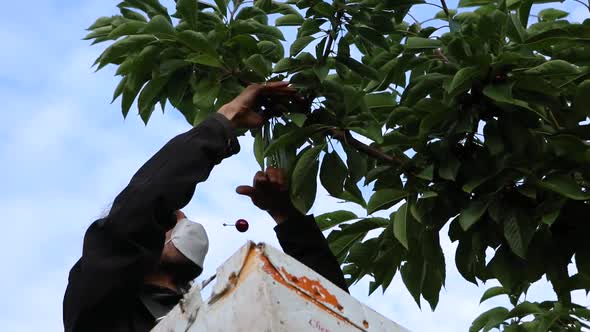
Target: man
<point>137,260</point>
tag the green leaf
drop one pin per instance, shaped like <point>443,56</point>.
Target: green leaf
<point>206,91</point>
<point>102,33</point>
<point>422,87</point>
<point>132,87</point>
<point>259,64</point>
<point>129,28</point>
<point>554,68</point>
<point>151,7</point>
<point>290,20</point>
<point>359,68</point>
<point>378,102</point>
<point>324,9</point>
<point>502,93</point>
<point>551,14</point>
<point>297,118</point>
<point>222,6</point>
<point>518,28</point>
<point>422,43</point>
<point>285,65</point>
<point>168,67</point>
<point>427,173</point>
<point>462,81</point>
<point>259,146</point>
<point>400,223</point>
<point>149,96</point>
<point>333,174</point>
<point>196,41</point>
<point>205,60</point>
<point>310,27</point>
<point>119,89</point>
<point>493,292</point>
<point>304,179</point>
<point>159,26</point>
<point>550,217</point>
<point>340,243</point>
<point>132,15</point>
<point>524,309</point>
<point>472,213</point>
<point>413,274</point>
<point>101,22</point>
<point>188,10</point>
<point>384,199</point>
<point>473,3</point>
<point>449,168</point>
<point>565,186</point>
<point>359,228</point>
<point>329,220</point>
<point>515,233</point>
<point>489,319</point>
<point>293,137</point>
<point>321,71</point>
<point>265,5</point>
<point>253,13</point>
<point>352,194</point>
<point>373,36</point>
<point>253,27</point>
<point>299,44</point>
<point>357,163</point>
<point>582,97</point>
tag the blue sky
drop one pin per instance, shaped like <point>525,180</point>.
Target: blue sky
<point>66,152</point>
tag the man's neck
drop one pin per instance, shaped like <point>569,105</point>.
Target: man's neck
<point>161,280</point>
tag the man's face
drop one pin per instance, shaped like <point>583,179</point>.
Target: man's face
<point>170,254</point>
<point>173,262</point>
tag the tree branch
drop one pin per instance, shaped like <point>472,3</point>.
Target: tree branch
<point>345,137</point>
<point>583,4</point>
<point>445,8</point>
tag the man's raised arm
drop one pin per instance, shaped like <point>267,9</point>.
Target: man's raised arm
<point>120,249</point>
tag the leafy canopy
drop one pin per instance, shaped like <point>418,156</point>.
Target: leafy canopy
<point>477,118</point>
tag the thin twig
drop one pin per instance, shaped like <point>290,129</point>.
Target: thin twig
<point>433,4</point>
<point>583,4</point>
<point>445,8</point>
<point>415,20</point>
<point>344,136</point>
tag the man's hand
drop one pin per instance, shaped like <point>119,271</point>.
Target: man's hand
<point>270,192</point>
<point>240,110</point>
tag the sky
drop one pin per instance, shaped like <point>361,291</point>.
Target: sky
<point>66,152</point>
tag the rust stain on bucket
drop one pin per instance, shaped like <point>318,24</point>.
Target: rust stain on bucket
<point>314,287</point>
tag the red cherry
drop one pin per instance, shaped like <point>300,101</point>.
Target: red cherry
<point>242,225</point>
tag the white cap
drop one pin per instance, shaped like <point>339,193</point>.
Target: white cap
<point>190,238</point>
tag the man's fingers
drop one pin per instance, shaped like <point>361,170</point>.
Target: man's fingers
<point>277,177</point>
<point>272,174</point>
<point>260,178</point>
<point>245,190</point>
<point>276,85</point>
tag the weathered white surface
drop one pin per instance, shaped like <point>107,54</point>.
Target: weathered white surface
<point>262,289</point>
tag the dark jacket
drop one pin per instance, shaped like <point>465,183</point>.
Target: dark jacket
<point>105,285</point>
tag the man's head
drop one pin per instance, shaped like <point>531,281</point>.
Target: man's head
<point>184,250</point>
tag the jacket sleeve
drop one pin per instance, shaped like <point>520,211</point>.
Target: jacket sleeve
<point>121,248</point>
<point>301,238</point>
